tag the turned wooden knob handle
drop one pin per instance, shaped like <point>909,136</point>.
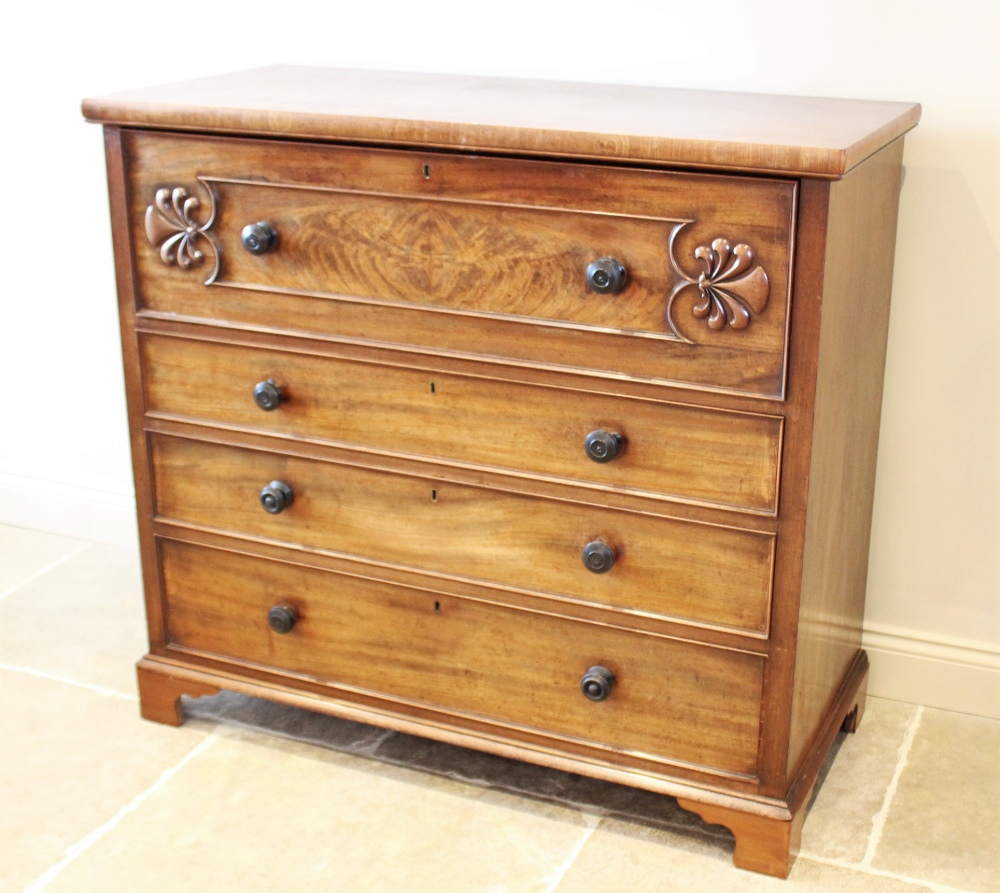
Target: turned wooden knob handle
<point>276,497</point>
<point>281,619</point>
<point>598,557</point>
<point>606,276</point>
<point>603,446</point>
<point>267,395</point>
<point>596,683</point>
<point>259,238</point>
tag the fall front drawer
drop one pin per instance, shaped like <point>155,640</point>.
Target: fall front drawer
<point>586,266</point>
<point>690,571</point>
<point>668,699</point>
<point>663,449</point>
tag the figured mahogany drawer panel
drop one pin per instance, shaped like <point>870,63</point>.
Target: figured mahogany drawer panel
<point>671,699</point>
<point>694,572</point>
<point>670,450</point>
<point>478,240</point>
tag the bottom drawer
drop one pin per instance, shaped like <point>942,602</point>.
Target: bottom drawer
<point>671,700</point>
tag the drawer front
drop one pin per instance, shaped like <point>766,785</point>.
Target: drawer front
<point>693,572</point>
<point>670,699</point>
<point>484,242</point>
<point>669,450</point>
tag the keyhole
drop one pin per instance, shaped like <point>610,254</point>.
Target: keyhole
<point>437,607</point>
<point>427,171</point>
<point>434,495</point>
<point>433,391</point>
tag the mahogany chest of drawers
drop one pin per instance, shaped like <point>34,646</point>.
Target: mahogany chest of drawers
<point>456,412</point>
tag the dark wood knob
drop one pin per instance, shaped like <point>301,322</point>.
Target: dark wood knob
<point>596,683</point>
<point>281,619</point>
<point>603,446</point>
<point>606,276</point>
<point>259,238</point>
<point>598,557</point>
<point>276,497</point>
<point>267,395</point>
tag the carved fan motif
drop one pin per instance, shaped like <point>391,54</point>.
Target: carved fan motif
<point>728,291</point>
<point>731,285</point>
<point>171,226</point>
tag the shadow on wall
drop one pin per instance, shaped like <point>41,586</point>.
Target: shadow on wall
<point>935,561</point>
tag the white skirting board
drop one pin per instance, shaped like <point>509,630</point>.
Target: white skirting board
<point>909,665</point>
<point>921,667</point>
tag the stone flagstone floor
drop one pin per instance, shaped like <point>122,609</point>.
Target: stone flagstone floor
<point>249,796</point>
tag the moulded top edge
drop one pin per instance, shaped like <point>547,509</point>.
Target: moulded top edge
<point>656,125</point>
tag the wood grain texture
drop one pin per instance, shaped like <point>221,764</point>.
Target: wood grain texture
<point>712,574</point>
<point>443,472</point>
<point>694,128</point>
<point>482,259</point>
<point>763,844</point>
<point>160,695</point>
<point>848,701</point>
<point>419,357</point>
<point>671,451</point>
<point>121,230</point>
<point>495,342</point>
<point>860,247</point>
<point>670,699</point>
<point>486,245</point>
<point>513,742</point>
<point>767,843</point>
<point>425,313</point>
<point>810,265</point>
<point>589,612</point>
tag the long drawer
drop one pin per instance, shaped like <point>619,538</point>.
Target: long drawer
<point>482,256</point>
<point>668,450</point>
<point>673,700</point>
<point>688,571</point>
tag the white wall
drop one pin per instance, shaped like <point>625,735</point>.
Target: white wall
<point>933,615</point>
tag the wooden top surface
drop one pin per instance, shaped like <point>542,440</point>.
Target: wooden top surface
<point>651,125</point>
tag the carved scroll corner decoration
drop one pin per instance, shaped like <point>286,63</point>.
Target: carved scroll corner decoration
<point>172,226</point>
<point>732,285</point>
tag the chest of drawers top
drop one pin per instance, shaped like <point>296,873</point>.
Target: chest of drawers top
<point>477,236</point>
<point>430,376</point>
<point>798,136</point>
